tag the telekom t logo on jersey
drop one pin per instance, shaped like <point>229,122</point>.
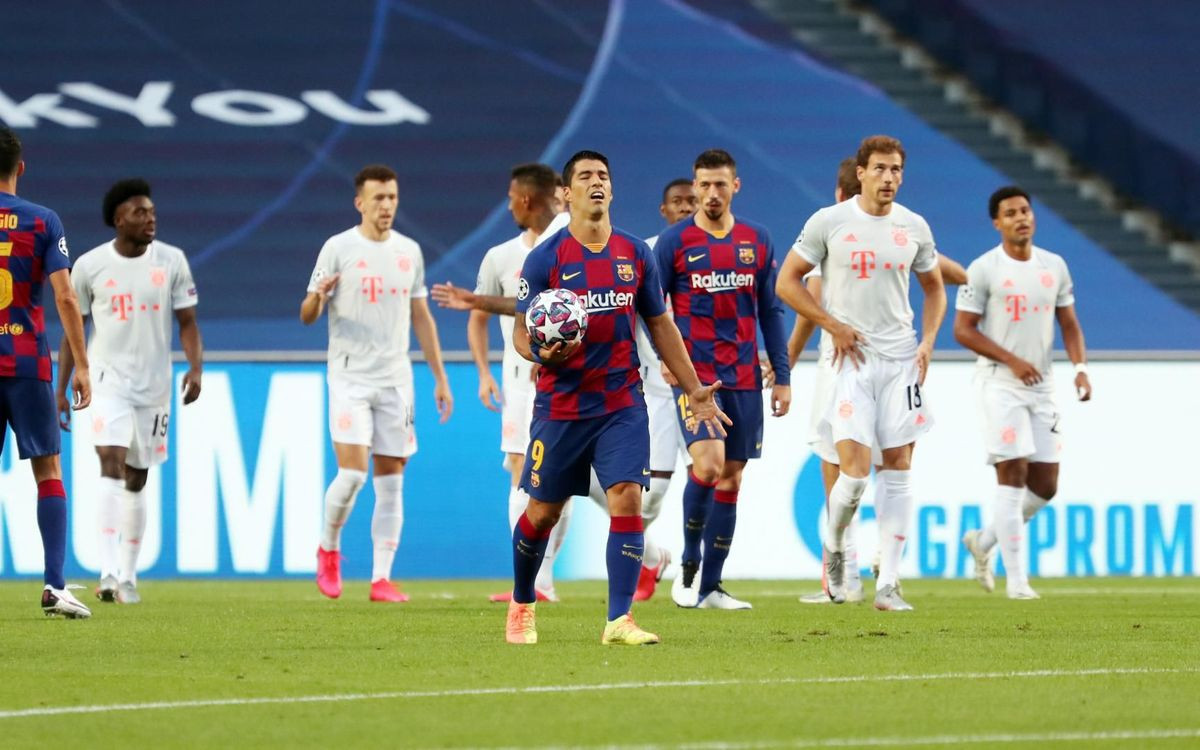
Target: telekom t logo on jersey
<point>372,286</point>
<point>1014,304</point>
<point>862,261</point>
<point>122,305</point>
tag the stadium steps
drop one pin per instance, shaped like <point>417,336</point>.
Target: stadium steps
<point>851,37</point>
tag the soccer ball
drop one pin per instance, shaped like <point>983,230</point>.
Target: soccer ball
<point>555,315</point>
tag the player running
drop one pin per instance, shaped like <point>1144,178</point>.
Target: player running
<point>1006,314</point>
<point>372,279</point>
<point>866,248</point>
<point>131,287</point>
<point>719,272</point>
<point>589,411</point>
<point>32,249</point>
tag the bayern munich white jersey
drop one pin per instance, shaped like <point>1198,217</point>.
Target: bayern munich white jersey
<point>654,382</point>
<point>1017,299</point>
<point>499,274</point>
<point>132,302</point>
<point>370,313</point>
<point>865,263</point>
<point>559,221</point>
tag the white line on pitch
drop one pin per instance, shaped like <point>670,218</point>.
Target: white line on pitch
<point>1048,591</point>
<point>17,713</point>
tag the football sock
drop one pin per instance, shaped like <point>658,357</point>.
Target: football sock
<point>1032,504</point>
<point>386,523</point>
<point>339,501</point>
<point>697,500</point>
<point>652,500</point>
<point>626,543</point>
<point>517,500</point>
<point>987,537</point>
<point>529,545</point>
<point>718,537</point>
<point>133,528</point>
<point>1009,529</point>
<point>545,577</point>
<point>853,577</point>
<point>893,524</point>
<point>52,523</point>
<point>843,502</point>
<point>108,517</point>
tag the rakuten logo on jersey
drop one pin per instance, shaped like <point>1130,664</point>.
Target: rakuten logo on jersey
<point>610,300</point>
<point>715,281</point>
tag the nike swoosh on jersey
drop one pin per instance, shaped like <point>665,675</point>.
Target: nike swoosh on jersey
<point>694,258</point>
<point>569,276</point>
<point>645,472</point>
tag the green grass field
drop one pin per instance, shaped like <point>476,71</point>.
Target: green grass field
<point>1110,663</point>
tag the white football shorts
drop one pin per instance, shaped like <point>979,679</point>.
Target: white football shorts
<point>141,430</point>
<point>517,391</point>
<point>821,444</point>
<point>666,438</point>
<point>879,403</point>
<point>1018,421</point>
<point>378,417</point>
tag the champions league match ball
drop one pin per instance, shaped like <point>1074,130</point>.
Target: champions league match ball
<point>556,315</point>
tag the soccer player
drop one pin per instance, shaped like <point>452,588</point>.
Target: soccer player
<point>1006,313</point>
<point>131,287</point>
<point>372,279</point>
<point>533,201</point>
<point>589,411</point>
<point>719,272</point>
<point>32,249</point>
<point>866,248</point>
<point>952,273</point>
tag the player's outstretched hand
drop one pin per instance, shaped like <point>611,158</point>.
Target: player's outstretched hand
<point>81,390</point>
<point>489,392</point>
<point>924,354</point>
<point>1024,371</point>
<point>668,375</point>
<point>64,411</point>
<point>560,352</point>
<point>781,400</point>
<point>445,401</point>
<point>705,410</point>
<point>190,386</point>
<point>1083,386</point>
<point>768,372</point>
<point>846,346</point>
<point>453,297</point>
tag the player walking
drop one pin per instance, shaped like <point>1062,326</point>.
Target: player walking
<point>131,287</point>
<point>589,411</point>
<point>719,272</point>
<point>1006,314</point>
<point>372,279</point>
<point>32,249</point>
<point>866,248</point>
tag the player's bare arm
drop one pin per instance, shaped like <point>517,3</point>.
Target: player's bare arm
<point>425,329</point>
<point>66,365</point>
<point>669,345</point>
<point>477,342</point>
<point>457,298</point>
<point>790,288</point>
<point>932,314</point>
<point>548,356</point>
<point>1072,334</point>
<point>967,333</point>
<point>314,302</point>
<point>193,349</point>
<point>953,273</point>
<point>72,323</point>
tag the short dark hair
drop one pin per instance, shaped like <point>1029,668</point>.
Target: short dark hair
<point>675,183</point>
<point>1003,194</point>
<point>879,144</point>
<point>539,178</point>
<point>847,178</point>
<point>10,151</point>
<point>715,158</point>
<point>119,193</point>
<point>379,172</point>
<point>569,168</point>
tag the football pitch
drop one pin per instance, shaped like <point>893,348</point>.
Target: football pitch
<point>1096,662</point>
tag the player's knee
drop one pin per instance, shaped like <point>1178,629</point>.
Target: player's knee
<point>349,481</point>
<point>1013,473</point>
<point>1044,488</point>
<point>852,487</point>
<point>543,516</point>
<point>135,479</point>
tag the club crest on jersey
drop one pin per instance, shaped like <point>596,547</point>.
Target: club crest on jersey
<point>625,271</point>
<point>404,263</point>
<point>1047,279</point>
<point>900,236</point>
<point>158,276</point>
<point>746,254</point>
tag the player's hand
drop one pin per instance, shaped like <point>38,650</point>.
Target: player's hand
<point>924,354</point>
<point>768,372</point>
<point>1083,386</point>
<point>1024,371</point>
<point>781,400</point>
<point>64,411</point>
<point>81,389</point>
<point>705,410</point>
<point>489,393</point>
<point>846,346</point>
<point>190,386</point>
<point>453,297</point>
<point>560,352</point>
<point>327,285</point>
<point>668,375</point>
<point>444,400</point>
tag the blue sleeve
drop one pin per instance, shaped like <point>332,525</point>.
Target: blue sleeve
<point>770,316</point>
<point>664,258</point>
<point>535,278</point>
<point>650,292</point>
<point>55,256</point>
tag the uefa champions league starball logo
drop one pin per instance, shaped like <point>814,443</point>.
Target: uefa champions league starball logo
<point>556,315</point>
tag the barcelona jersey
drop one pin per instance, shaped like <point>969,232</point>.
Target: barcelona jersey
<point>616,282</point>
<point>32,246</point>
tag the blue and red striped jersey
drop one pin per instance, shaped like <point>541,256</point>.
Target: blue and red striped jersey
<point>616,282</point>
<point>32,246</point>
<point>722,290</point>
